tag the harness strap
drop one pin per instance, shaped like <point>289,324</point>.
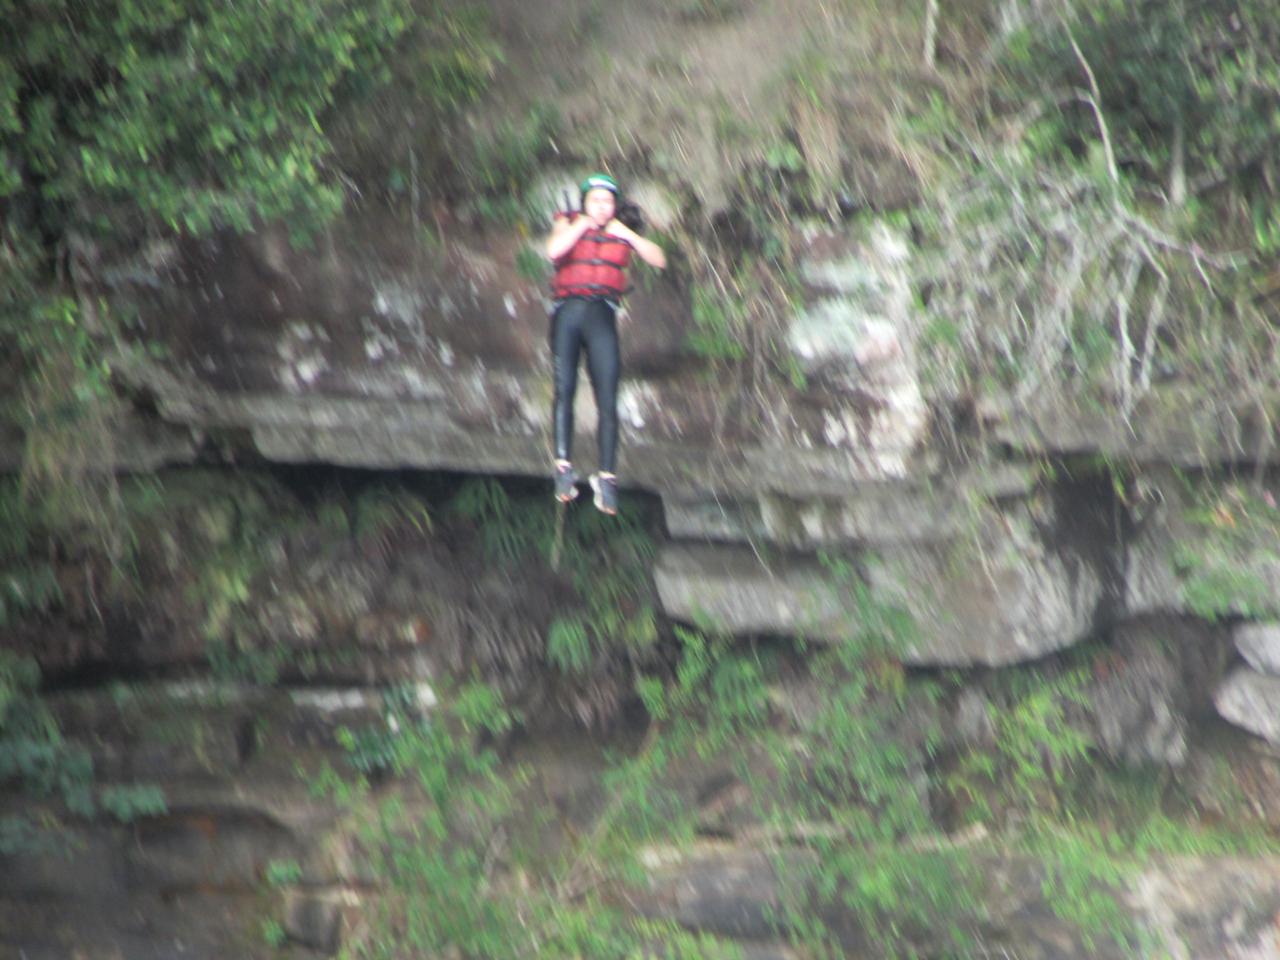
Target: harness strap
<point>569,290</point>
<point>593,262</point>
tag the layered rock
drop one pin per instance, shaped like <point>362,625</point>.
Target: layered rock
<point>233,763</point>
<point>1192,907</point>
<point>374,352</point>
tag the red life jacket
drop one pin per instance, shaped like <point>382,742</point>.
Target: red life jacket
<point>594,267</point>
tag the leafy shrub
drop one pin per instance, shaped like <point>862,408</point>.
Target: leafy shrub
<point>504,161</point>
<point>1075,241</point>
<point>445,846</point>
<point>27,585</point>
<point>128,803</point>
<point>273,933</point>
<point>283,873</point>
<point>167,113</point>
<point>38,761</point>
<point>119,124</point>
<point>605,560</point>
<point>1180,97</point>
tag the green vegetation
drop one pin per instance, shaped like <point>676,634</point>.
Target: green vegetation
<point>857,779</point>
<point>719,331</point>
<point>392,131</point>
<point>532,265</point>
<point>1089,826</point>
<point>1179,96</point>
<point>226,532</point>
<point>27,586</point>
<point>452,857</point>
<point>121,124</point>
<point>273,933</point>
<point>1035,747</point>
<point>845,798</point>
<point>1026,780</point>
<point>55,775</point>
<point>379,511</point>
<point>1102,224</point>
<point>503,163</point>
<point>1225,566</point>
<point>115,115</point>
<point>708,11</point>
<point>605,561</point>
<point>278,875</point>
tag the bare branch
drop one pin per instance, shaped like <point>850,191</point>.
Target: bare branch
<point>1155,319</point>
<point>1124,363</point>
<point>1095,100</point>
<point>1178,171</point>
<point>930,33</point>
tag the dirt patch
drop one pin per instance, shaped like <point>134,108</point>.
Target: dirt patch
<point>698,92</point>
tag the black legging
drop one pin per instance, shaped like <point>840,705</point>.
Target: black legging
<point>590,323</point>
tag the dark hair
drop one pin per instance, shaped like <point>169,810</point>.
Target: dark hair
<point>630,215</point>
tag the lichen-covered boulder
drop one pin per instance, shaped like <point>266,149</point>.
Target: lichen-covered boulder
<point>856,336</point>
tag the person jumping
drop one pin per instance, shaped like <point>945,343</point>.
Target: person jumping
<point>590,249</point>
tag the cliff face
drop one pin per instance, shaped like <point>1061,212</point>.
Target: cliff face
<point>771,494</point>
<point>368,352</point>
<point>1014,543</point>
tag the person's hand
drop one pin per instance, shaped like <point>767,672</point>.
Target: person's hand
<point>616,228</point>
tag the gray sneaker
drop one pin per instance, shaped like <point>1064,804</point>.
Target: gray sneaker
<point>606,493</point>
<point>566,483</point>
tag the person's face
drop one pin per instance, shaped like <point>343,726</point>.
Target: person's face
<point>599,205</point>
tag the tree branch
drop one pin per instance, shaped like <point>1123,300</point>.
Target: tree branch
<point>1095,100</point>
<point>930,33</point>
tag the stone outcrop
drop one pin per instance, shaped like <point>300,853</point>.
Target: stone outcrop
<point>1259,644</point>
<point>856,339</point>
<point>373,351</point>
<point>197,880</point>
<point>1140,702</point>
<point>1172,425</point>
<point>1251,700</point>
<point>1250,696</point>
<point>1195,908</point>
<point>443,371</point>
<point>995,595</point>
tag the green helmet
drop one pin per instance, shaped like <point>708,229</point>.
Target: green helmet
<point>599,181</point>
